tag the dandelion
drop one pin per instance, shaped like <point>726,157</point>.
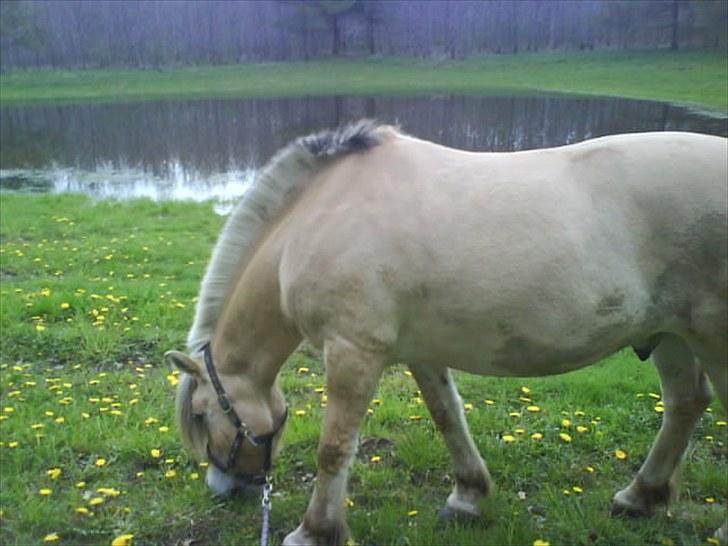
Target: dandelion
<point>539,542</point>
<point>565,423</point>
<point>51,537</point>
<point>589,469</point>
<point>53,473</point>
<point>565,437</point>
<point>194,476</point>
<point>172,379</point>
<point>375,458</point>
<point>303,370</point>
<point>300,413</point>
<point>579,413</point>
<point>415,417</point>
<point>468,407</point>
<point>83,511</point>
<point>713,540</point>
<point>653,395</point>
<point>45,492</point>
<point>577,489</point>
<point>80,485</point>
<point>163,429</point>
<point>581,429</point>
<point>155,453</point>
<point>536,436</point>
<point>667,542</point>
<point>95,501</point>
<point>65,305</point>
<point>514,414</point>
<point>533,409</point>
<point>170,474</point>
<point>122,540</point>
<point>525,390</point>
<point>488,402</point>
<point>412,513</point>
<point>519,430</point>
<point>100,462</point>
<point>507,438</point>
<point>709,500</point>
<point>619,454</point>
<point>721,423</point>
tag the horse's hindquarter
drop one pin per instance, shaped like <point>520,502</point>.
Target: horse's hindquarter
<point>524,263</point>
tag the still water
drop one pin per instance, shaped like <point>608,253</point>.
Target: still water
<point>211,148</point>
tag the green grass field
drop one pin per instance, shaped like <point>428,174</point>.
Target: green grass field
<point>694,77</point>
<point>93,294</point>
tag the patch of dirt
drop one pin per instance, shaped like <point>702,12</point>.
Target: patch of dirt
<point>374,445</point>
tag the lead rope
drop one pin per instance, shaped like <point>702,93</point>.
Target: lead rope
<point>265,511</point>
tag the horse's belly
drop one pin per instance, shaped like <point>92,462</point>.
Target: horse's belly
<point>526,349</point>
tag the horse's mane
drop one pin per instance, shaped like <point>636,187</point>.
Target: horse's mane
<point>276,184</point>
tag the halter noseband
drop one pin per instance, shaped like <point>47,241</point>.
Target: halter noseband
<point>242,430</point>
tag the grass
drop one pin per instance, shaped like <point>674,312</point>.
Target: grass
<point>90,301</point>
<point>693,77</point>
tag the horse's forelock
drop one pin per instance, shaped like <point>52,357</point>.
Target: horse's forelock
<point>191,430</point>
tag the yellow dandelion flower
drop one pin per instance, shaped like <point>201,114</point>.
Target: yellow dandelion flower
<point>303,370</point>
<point>348,503</point>
<point>667,542</point>
<point>170,474</point>
<point>80,485</point>
<point>577,489</point>
<point>53,473</point>
<point>45,492</point>
<point>65,305</point>
<point>713,540</point>
<point>172,380</point>
<point>194,476</point>
<point>579,413</point>
<point>40,328</point>
<point>533,409</point>
<point>721,423</point>
<point>581,429</point>
<point>519,430</point>
<point>412,513</point>
<point>155,453</point>
<point>100,462</point>
<point>51,537</point>
<point>589,469</point>
<point>163,429</point>
<point>415,417</point>
<point>619,454</point>
<point>539,542</point>
<point>507,438</point>
<point>514,414</point>
<point>489,402</point>
<point>565,437</point>
<point>122,540</point>
<point>654,396</point>
<point>83,511</point>
<point>468,406</point>
<point>525,390</point>
<point>375,458</point>
<point>95,501</point>
<point>565,423</point>
<point>709,500</point>
<point>659,409</point>
<point>300,413</point>
<point>536,436</point>
<point>408,373</point>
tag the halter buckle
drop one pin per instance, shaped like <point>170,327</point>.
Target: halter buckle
<point>224,402</point>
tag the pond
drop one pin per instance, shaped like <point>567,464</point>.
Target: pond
<point>211,148</point>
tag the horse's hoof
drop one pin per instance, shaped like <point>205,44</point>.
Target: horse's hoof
<point>448,515</point>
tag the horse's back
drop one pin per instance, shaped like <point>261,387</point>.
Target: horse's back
<point>414,246</point>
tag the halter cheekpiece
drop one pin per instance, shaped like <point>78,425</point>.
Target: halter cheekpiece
<point>242,430</point>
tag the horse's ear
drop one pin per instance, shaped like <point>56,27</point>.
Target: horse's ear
<point>183,363</point>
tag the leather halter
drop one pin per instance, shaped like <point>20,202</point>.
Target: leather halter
<point>242,430</point>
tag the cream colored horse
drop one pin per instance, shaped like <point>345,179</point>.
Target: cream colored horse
<point>378,247</point>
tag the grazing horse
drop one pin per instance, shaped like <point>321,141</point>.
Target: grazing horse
<point>379,247</point>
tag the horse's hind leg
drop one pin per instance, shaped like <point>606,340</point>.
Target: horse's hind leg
<point>472,480</point>
<point>686,394</point>
<point>714,360</point>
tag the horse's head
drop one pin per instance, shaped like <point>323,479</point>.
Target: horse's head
<point>225,420</point>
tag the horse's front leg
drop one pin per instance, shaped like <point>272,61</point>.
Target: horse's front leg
<point>351,378</point>
<point>472,480</point>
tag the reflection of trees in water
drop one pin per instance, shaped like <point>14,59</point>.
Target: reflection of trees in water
<point>212,136</point>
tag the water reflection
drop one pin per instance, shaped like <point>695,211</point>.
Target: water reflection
<point>210,149</point>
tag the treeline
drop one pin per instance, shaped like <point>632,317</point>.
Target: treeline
<point>155,33</point>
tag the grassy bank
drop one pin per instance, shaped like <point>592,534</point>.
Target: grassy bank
<point>698,78</point>
<point>89,449</point>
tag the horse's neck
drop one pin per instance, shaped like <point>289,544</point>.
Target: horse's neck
<point>252,336</point>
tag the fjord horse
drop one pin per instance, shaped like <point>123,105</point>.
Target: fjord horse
<point>378,247</point>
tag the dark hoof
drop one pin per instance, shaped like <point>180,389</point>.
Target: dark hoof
<point>448,516</point>
<point>619,510</point>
